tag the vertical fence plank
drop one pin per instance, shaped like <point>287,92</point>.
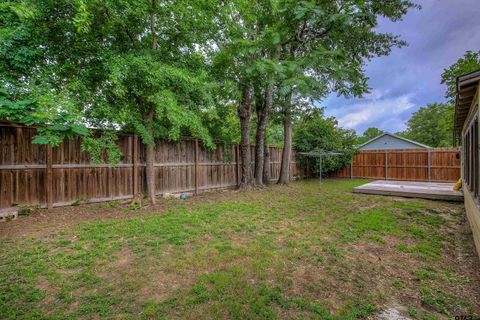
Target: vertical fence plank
<point>135,177</point>
<point>49,177</point>
<point>386,165</point>
<point>197,173</point>
<point>429,165</point>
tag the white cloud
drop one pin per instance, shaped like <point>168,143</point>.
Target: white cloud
<point>374,110</point>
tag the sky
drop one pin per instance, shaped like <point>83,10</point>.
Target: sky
<point>409,78</point>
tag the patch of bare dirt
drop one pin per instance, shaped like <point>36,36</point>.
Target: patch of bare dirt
<point>45,222</point>
<point>124,260</point>
<point>145,277</point>
<point>391,313</point>
<point>46,288</point>
<point>160,285</point>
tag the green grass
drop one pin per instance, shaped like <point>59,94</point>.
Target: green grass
<point>300,251</point>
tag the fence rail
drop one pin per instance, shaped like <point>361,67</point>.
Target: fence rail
<point>436,165</point>
<point>41,175</point>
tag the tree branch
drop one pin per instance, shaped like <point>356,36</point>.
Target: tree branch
<point>153,24</point>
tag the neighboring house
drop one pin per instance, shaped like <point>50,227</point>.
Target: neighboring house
<point>466,128</point>
<point>388,141</point>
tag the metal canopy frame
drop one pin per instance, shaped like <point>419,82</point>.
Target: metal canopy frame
<point>320,155</point>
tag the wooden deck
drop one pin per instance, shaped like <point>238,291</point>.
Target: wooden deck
<point>411,189</point>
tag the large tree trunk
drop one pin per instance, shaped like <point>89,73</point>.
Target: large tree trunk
<point>262,121</point>
<point>266,162</point>
<point>244,113</point>
<point>150,159</point>
<point>287,143</point>
<point>150,152</point>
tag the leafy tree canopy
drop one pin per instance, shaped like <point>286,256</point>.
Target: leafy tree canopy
<point>431,125</point>
<point>468,63</point>
<point>95,61</point>
<point>369,134</point>
<point>54,126</point>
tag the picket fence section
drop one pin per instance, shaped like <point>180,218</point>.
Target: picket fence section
<point>436,165</point>
<point>39,175</point>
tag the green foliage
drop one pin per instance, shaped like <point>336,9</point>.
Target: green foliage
<point>95,63</point>
<point>65,129</point>
<point>412,312</point>
<point>468,63</point>
<point>305,49</point>
<point>275,135</point>
<point>18,55</point>
<point>369,134</point>
<point>53,127</point>
<point>103,145</point>
<point>327,43</point>
<point>314,132</point>
<point>100,68</point>
<point>431,125</point>
<point>140,81</point>
<point>12,110</point>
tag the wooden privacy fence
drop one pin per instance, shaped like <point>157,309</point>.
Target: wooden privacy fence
<point>40,175</point>
<point>439,164</point>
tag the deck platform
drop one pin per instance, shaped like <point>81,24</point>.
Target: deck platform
<point>412,189</point>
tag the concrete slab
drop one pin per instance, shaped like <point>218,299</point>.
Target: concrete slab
<point>412,189</point>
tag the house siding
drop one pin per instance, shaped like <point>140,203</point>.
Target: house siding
<point>471,205</point>
<point>473,216</point>
<point>389,143</point>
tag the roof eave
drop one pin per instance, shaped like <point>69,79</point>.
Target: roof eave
<point>395,136</point>
<point>467,86</point>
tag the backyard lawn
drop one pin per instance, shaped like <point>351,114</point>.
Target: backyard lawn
<point>299,251</point>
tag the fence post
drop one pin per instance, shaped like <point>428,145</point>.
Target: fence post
<point>386,165</point>
<point>135,165</point>
<point>429,166</point>
<point>237,165</point>
<point>197,171</point>
<point>49,178</point>
<point>351,169</point>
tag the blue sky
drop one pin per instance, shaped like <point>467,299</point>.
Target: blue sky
<point>437,35</point>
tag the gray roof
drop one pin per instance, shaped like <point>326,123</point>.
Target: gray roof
<point>394,136</point>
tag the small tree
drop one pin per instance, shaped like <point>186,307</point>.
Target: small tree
<point>315,132</point>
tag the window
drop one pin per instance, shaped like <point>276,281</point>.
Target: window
<point>471,156</point>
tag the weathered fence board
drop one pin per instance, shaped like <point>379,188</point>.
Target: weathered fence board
<point>39,175</point>
<point>437,165</point>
